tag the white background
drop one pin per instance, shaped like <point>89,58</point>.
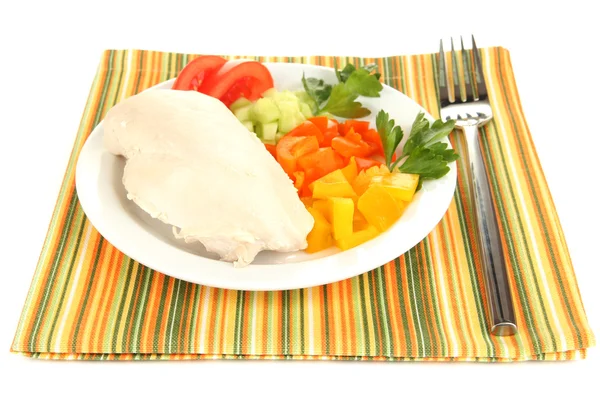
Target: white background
<point>49,52</point>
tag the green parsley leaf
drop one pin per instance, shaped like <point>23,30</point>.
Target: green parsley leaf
<point>390,135</point>
<point>344,74</point>
<point>342,103</point>
<point>423,135</point>
<point>317,89</point>
<point>426,163</point>
<point>423,153</point>
<point>364,83</point>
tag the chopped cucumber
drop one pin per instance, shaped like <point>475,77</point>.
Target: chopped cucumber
<point>239,103</point>
<point>265,110</point>
<point>267,131</point>
<point>305,110</point>
<point>249,125</point>
<point>275,114</point>
<point>243,113</point>
<point>291,116</point>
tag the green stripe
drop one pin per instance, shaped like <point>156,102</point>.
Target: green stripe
<point>174,317</point>
<point>300,322</point>
<point>436,306</point>
<point>88,290</point>
<point>142,306</point>
<point>326,319</point>
<point>135,292</point>
<point>285,321</point>
<point>376,318</point>
<point>402,306</point>
<point>159,316</point>
<point>384,319</point>
<point>363,307</point>
<point>122,295</point>
<point>239,322</point>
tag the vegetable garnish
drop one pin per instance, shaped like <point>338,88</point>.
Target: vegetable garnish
<point>340,99</point>
<point>423,153</point>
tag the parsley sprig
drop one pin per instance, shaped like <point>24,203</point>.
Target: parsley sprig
<point>423,153</point>
<point>340,99</point>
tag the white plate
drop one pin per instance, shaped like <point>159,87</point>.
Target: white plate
<point>150,242</point>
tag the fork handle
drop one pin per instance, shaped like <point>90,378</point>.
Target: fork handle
<point>492,257</point>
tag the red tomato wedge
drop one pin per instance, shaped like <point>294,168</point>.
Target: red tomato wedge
<point>249,79</point>
<point>197,71</point>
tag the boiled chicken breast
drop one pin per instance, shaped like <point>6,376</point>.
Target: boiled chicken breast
<point>193,165</point>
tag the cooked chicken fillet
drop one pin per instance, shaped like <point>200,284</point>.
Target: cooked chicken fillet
<point>193,165</point>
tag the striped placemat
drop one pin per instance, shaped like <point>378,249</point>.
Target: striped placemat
<point>89,301</point>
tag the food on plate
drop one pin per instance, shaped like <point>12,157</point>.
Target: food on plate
<point>274,114</point>
<point>193,165</point>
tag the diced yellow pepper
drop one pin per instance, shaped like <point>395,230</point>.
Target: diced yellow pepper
<point>342,216</point>
<point>333,184</point>
<point>379,207</point>
<point>350,171</point>
<point>360,222</point>
<point>324,190</point>
<point>324,207</point>
<point>363,179</point>
<point>319,237</point>
<point>357,238</point>
<point>400,185</point>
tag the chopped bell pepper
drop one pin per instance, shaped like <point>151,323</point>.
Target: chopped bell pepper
<point>319,238</point>
<point>342,217</point>
<point>400,185</point>
<point>357,238</point>
<point>379,208</point>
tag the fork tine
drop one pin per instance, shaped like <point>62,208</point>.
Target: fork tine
<point>457,92</point>
<point>481,88</point>
<point>467,71</point>
<point>442,77</point>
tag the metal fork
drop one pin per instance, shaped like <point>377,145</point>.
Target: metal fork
<point>471,110</point>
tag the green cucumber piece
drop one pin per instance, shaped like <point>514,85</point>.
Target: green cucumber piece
<point>239,103</point>
<point>244,113</point>
<point>305,110</point>
<point>265,110</point>
<point>267,131</point>
<point>291,116</point>
<point>249,125</point>
<point>270,93</point>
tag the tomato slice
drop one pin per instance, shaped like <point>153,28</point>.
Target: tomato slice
<point>197,71</point>
<point>249,79</point>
